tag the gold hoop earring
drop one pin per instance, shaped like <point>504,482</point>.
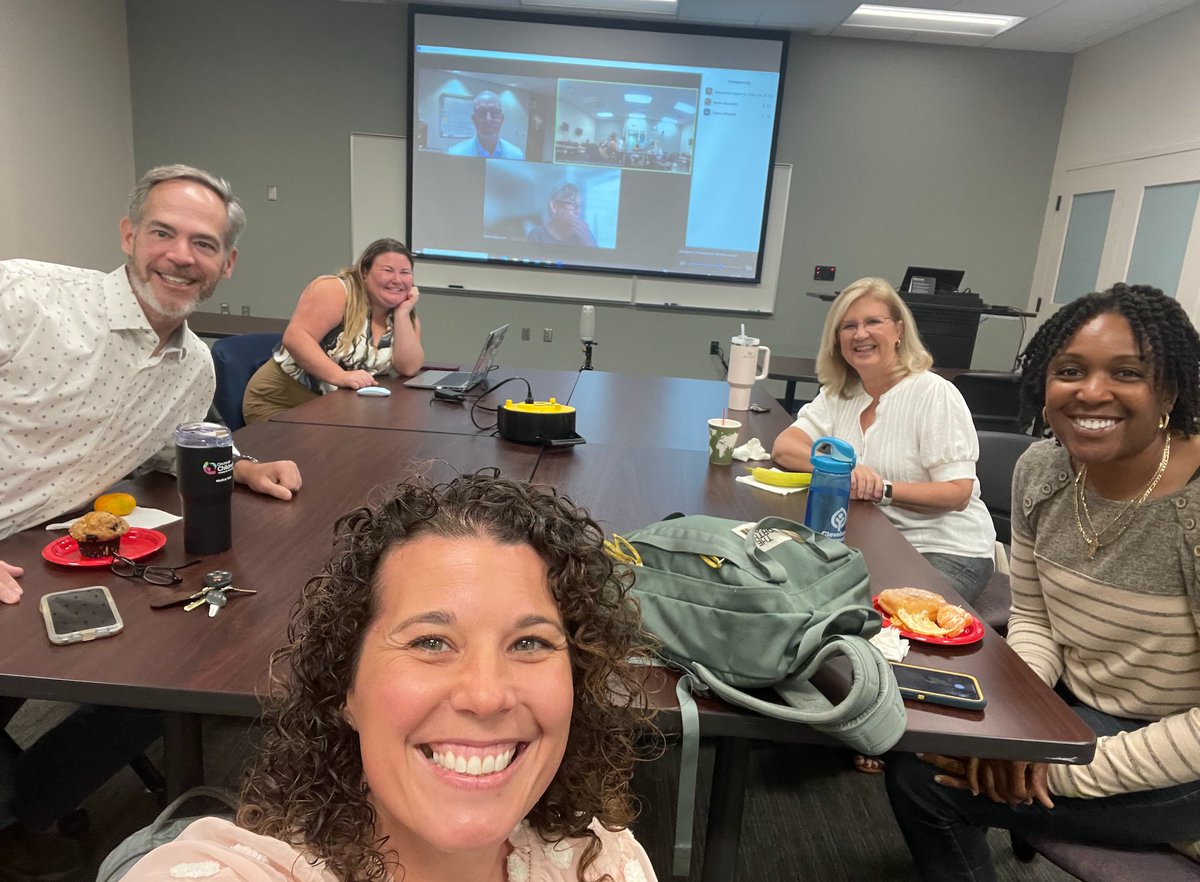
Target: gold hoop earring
<point>1165,420</point>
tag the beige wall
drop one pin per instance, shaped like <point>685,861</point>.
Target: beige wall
<point>66,140</point>
<point>1135,95</point>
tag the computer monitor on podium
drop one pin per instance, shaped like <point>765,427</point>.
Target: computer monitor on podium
<point>927,280</point>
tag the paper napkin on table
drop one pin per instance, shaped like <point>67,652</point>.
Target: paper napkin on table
<point>891,644</point>
<point>145,518</point>
<point>782,491</point>
<point>752,449</point>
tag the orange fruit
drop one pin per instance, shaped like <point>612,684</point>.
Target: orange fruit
<point>119,504</point>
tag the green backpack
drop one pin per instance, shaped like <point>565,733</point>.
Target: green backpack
<point>754,606</point>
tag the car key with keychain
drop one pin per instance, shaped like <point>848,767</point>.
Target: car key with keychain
<point>216,587</point>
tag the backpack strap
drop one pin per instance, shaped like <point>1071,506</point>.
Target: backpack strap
<point>871,718</point>
<point>689,749</point>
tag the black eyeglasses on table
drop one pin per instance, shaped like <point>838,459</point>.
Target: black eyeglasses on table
<point>123,566</point>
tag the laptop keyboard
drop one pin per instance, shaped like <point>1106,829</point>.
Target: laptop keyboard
<point>458,378</point>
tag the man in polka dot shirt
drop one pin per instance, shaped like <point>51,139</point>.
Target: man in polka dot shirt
<point>97,369</point>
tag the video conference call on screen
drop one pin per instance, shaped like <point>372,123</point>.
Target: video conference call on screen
<point>546,144</point>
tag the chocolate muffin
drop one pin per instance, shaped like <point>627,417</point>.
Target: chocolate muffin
<point>99,534</point>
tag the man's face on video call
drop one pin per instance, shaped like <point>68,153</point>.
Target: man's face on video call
<point>488,117</point>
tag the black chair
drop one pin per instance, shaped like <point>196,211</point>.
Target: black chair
<point>236,359</point>
<point>994,400</point>
<point>998,455</point>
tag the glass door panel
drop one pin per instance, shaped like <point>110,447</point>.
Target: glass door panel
<point>1084,245</point>
<point>1163,232</point>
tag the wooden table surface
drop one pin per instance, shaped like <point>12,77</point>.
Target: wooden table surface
<point>645,457</point>
<point>416,410</point>
<point>172,660</point>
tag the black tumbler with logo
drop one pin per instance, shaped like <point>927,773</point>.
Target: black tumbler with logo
<point>204,472</point>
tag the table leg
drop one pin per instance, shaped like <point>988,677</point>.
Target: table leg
<point>725,804</point>
<point>789,396</point>
<point>183,752</point>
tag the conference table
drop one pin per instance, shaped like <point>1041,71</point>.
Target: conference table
<point>645,456</point>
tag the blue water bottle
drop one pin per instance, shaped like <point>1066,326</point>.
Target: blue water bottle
<point>829,493</point>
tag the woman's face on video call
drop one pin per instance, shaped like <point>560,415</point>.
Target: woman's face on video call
<point>463,693</point>
<point>389,280</point>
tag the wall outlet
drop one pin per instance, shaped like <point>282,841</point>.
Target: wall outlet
<point>245,310</point>
<point>525,334</point>
<point>547,335</point>
<point>714,348</point>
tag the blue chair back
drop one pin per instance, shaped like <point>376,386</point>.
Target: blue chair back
<point>236,359</point>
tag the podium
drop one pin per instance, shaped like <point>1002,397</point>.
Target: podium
<point>948,322</point>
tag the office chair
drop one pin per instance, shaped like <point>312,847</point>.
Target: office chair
<point>1091,862</point>
<point>236,359</point>
<point>994,400</point>
<point>998,455</point>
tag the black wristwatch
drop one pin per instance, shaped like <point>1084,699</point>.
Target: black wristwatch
<point>886,499</point>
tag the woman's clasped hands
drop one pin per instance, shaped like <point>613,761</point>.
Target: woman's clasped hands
<point>1002,781</point>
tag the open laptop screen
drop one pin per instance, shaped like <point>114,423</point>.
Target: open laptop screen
<point>944,281</point>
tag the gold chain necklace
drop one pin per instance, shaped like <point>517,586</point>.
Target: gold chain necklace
<point>1125,515</point>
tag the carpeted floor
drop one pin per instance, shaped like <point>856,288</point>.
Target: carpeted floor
<point>808,814</point>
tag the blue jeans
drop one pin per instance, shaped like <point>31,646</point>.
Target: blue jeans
<point>968,575</point>
<point>945,828</point>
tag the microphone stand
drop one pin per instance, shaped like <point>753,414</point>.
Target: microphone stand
<point>587,354</point>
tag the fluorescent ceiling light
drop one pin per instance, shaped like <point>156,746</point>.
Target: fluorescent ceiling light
<point>668,120</point>
<point>604,114</point>
<point>936,21</point>
<point>654,7</point>
<point>637,98</point>
<point>637,116</point>
<point>684,107</point>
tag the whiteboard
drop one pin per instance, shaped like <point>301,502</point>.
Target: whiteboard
<point>379,188</point>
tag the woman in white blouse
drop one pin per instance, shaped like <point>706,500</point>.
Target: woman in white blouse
<point>911,429</point>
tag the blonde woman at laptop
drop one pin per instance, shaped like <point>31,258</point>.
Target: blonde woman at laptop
<point>347,330</point>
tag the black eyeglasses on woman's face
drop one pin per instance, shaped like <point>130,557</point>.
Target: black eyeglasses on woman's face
<point>123,566</point>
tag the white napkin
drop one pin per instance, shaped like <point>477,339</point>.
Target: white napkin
<point>771,488</point>
<point>752,449</point>
<point>145,518</point>
<point>891,644</point>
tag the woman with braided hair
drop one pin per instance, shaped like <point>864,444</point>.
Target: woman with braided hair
<point>1106,596</point>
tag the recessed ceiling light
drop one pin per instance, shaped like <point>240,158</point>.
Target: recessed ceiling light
<point>637,116</point>
<point>654,7</point>
<point>637,98</point>
<point>936,21</point>
<point>604,114</point>
<point>684,107</point>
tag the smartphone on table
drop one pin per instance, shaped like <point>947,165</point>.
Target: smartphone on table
<point>935,686</point>
<point>80,614</point>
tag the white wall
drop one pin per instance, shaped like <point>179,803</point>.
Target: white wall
<point>1135,95</point>
<point>66,140</point>
<point>1132,119</point>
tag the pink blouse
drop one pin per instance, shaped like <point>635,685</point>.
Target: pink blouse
<point>217,849</point>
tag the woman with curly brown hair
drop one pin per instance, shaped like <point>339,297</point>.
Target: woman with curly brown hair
<point>456,702</point>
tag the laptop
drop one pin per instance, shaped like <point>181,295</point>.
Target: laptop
<point>927,280</point>
<point>463,381</point>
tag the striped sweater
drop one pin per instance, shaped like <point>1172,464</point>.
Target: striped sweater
<point>1122,631</point>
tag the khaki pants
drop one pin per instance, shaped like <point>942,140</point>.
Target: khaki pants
<point>270,391</point>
